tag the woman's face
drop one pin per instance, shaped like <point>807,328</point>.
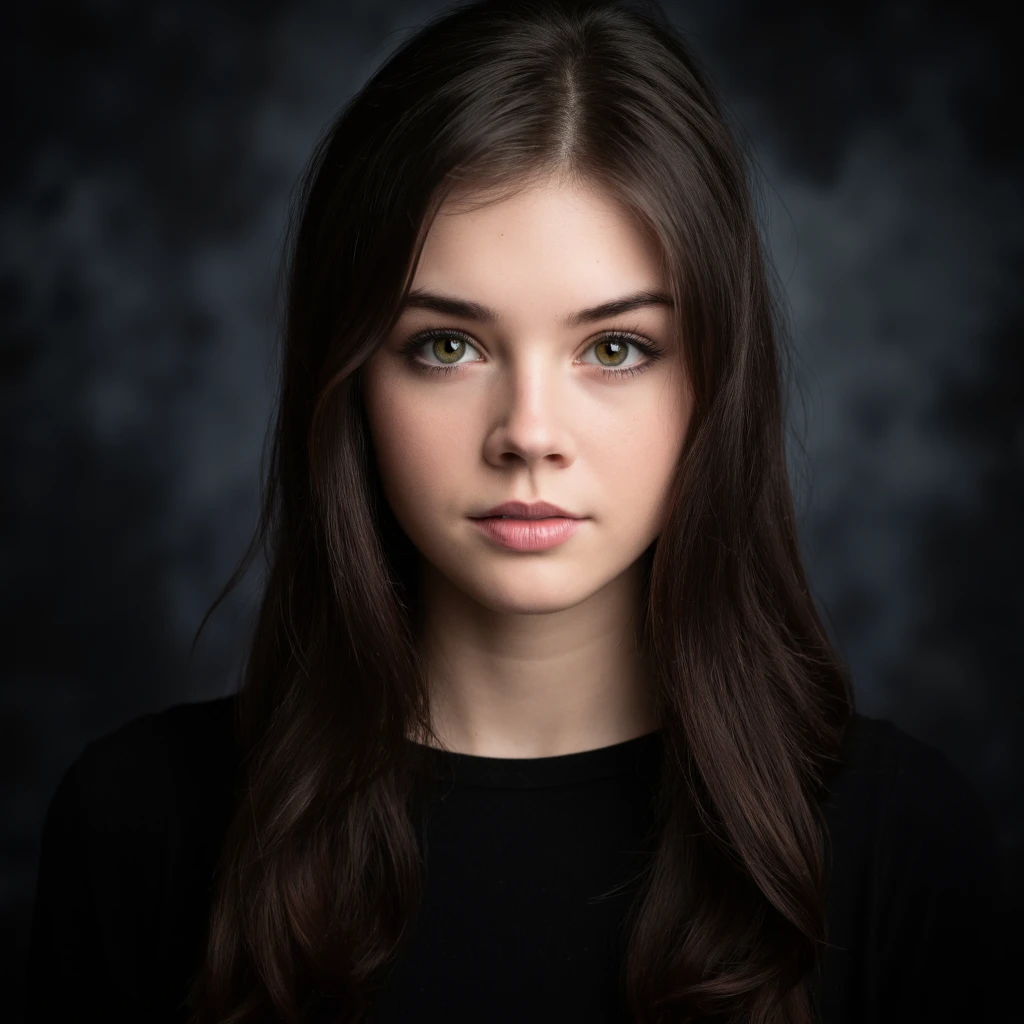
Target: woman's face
<point>533,406</point>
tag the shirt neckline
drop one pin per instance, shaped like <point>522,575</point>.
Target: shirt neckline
<point>640,755</point>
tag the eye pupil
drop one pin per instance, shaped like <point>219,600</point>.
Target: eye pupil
<point>446,346</point>
<point>618,346</point>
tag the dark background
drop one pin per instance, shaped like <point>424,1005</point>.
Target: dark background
<point>150,151</point>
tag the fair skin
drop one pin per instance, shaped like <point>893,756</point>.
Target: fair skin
<point>532,654</point>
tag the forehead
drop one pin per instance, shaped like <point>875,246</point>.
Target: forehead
<point>546,241</point>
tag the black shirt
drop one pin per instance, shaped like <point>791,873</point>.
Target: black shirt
<point>531,866</point>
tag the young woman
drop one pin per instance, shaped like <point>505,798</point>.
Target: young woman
<point>539,720</point>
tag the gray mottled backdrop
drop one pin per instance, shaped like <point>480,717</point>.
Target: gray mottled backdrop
<point>150,149</point>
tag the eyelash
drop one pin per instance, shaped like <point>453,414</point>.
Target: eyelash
<point>419,339</point>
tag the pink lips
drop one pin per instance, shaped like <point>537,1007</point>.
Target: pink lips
<point>525,510</point>
<point>529,534</point>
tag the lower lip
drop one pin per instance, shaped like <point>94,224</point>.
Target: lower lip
<point>529,534</point>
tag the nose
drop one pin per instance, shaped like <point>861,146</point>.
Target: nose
<point>531,418</point>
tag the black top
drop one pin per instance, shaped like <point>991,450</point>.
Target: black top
<point>531,865</point>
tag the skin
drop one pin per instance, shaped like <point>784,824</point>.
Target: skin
<point>532,654</point>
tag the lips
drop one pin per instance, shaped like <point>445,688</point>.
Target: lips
<point>524,510</point>
<point>528,536</point>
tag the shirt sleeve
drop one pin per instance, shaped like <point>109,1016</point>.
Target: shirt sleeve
<point>937,877</point>
<point>98,944</point>
<point>65,972</point>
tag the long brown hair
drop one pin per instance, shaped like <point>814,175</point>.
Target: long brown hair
<point>321,868</point>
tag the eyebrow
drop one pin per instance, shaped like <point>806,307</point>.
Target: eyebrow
<point>420,298</point>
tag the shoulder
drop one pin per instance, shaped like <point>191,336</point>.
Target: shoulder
<point>161,732</point>
<point>203,730</point>
<point>129,845</point>
<point>155,764</point>
<point>905,786</point>
<point>149,796</point>
<point>913,878</point>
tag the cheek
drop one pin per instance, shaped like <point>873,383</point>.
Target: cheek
<point>414,447</point>
<point>638,459</point>
<point>632,466</point>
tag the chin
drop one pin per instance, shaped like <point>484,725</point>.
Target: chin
<point>529,597</point>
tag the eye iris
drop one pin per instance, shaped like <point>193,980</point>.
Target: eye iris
<point>446,342</point>
<point>618,346</point>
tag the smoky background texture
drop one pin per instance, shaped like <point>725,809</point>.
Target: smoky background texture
<point>150,150</point>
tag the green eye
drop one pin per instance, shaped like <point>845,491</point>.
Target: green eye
<point>442,347</point>
<point>619,346</point>
<point>448,346</point>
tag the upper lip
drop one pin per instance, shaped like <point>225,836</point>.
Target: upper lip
<point>522,510</point>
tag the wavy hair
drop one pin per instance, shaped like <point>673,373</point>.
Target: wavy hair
<point>320,873</point>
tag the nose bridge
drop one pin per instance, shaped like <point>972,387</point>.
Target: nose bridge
<point>532,382</point>
<point>532,398</point>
